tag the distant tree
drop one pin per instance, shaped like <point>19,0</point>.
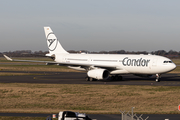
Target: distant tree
<point>159,52</point>
<point>103,52</point>
<point>29,53</point>
<point>171,52</point>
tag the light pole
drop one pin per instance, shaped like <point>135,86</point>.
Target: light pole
<point>132,113</point>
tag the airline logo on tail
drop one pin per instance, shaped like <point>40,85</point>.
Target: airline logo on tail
<point>52,41</point>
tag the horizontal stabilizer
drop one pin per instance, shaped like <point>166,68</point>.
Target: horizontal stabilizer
<point>50,55</point>
<point>8,58</point>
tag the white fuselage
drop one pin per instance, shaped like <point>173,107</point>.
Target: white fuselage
<point>120,64</point>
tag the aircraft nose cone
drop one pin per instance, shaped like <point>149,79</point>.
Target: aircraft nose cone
<point>169,67</point>
<point>173,66</point>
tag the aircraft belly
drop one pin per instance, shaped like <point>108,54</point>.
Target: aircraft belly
<point>138,70</point>
<point>119,72</point>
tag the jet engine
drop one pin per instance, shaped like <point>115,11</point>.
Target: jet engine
<point>98,73</point>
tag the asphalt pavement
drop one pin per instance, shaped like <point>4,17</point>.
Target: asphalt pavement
<point>79,78</point>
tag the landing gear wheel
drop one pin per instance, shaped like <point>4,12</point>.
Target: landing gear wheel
<point>157,80</point>
<point>91,79</point>
<point>157,77</point>
<point>116,78</point>
<point>87,78</point>
<point>112,78</point>
<point>120,77</point>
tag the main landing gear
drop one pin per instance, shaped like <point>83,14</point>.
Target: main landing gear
<point>90,79</point>
<point>158,76</point>
<point>116,78</point>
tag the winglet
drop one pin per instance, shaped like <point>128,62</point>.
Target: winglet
<point>8,58</point>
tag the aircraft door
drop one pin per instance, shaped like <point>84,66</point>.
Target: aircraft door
<point>89,60</point>
<point>154,64</point>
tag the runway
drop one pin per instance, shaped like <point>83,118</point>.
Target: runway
<point>79,78</point>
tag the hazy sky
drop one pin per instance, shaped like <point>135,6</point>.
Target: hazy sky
<point>93,25</point>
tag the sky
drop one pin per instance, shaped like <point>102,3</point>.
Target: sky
<point>92,25</point>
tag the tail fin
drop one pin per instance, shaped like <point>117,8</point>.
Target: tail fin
<point>52,42</point>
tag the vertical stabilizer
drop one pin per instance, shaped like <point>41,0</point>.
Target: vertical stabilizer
<point>52,42</point>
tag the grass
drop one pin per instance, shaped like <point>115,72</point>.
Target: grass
<point>22,118</point>
<point>52,98</point>
<point>16,74</point>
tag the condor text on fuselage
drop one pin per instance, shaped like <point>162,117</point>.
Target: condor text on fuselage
<point>135,62</point>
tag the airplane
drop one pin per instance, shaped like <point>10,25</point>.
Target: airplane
<point>105,66</point>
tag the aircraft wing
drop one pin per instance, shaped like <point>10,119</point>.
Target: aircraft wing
<point>47,62</point>
<point>83,65</point>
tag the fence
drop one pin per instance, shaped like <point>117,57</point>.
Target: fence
<point>131,116</point>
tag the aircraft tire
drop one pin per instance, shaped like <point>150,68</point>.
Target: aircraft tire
<point>87,78</point>
<point>120,78</point>
<point>116,78</point>
<point>157,80</point>
<point>91,79</point>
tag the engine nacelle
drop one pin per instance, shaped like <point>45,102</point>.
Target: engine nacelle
<point>98,73</point>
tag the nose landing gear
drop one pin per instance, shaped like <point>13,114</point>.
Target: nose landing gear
<point>158,76</point>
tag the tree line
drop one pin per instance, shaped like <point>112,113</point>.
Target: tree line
<point>29,53</point>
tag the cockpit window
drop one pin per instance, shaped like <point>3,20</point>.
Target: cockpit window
<point>167,61</point>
